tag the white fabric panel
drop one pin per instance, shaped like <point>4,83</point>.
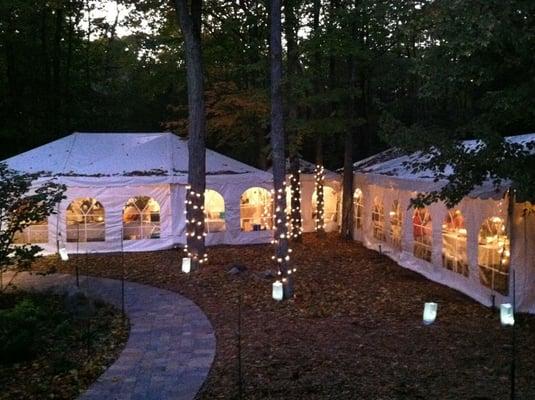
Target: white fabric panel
<point>113,201</point>
<point>231,192</point>
<point>523,257</point>
<point>475,212</point>
<point>308,186</point>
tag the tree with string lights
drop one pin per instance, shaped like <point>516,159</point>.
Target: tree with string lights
<point>189,18</point>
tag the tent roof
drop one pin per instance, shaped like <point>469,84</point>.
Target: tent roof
<point>160,156</point>
<point>390,166</point>
<point>307,167</point>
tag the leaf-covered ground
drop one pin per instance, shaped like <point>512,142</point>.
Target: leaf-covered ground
<point>353,330</point>
<point>67,354</point>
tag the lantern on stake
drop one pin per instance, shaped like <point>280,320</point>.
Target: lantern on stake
<point>430,313</point>
<point>186,265</point>
<point>277,292</point>
<point>507,315</point>
<point>63,254</point>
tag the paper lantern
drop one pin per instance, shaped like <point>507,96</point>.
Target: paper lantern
<point>430,313</point>
<point>186,265</point>
<point>277,290</point>
<point>63,254</point>
<point>507,315</point>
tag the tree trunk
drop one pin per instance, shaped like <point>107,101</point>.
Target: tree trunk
<point>56,74</point>
<point>290,27</point>
<point>347,191</point>
<point>190,24</point>
<point>278,149</point>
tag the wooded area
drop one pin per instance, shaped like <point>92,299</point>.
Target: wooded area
<point>371,68</point>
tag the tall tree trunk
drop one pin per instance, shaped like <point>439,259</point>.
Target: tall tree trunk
<point>56,73</point>
<point>347,191</point>
<point>291,27</point>
<point>318,219</point>
<point>278,149</point>
<point>190,24</point>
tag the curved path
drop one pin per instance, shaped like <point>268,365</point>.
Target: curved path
<point>171,344</point>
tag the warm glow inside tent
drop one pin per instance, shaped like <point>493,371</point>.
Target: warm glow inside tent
<point>472,247</point>
<point>127,191</point>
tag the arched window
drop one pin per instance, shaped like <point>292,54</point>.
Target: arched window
<point>86,221</point>
<point>33,233</point>
<point>396,223</point>
<point>454,255</point>
<point>141,218</point>
<point>214,211</point>
<point>357,208</point>
<point>422,231</point>
<point>256,210</point>
<point>330,204</point>
<point>378,220</point>
<point>493,255</point>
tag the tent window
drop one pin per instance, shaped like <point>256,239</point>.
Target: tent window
<point>454,255</point>
<point>330,204</point>
<point>493,255</point>
<point>256,210</point>
<point>422,231</point>
<point>86,221</point>
<point>214,211</point>
<point>357,208</point>
<point>34,233</point>
<point>141,218</point>
<point>396,221</point>
<point>378,220</point>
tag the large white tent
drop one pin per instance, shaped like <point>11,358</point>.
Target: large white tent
<point>471,248</point>
<point>127,191</point>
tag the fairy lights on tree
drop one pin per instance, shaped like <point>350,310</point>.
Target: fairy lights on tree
<point>319,178</point>
<point>281,242</point>
<point>195,232</point>
<point>295,222</point>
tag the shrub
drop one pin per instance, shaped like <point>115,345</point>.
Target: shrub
<point>18,329</point>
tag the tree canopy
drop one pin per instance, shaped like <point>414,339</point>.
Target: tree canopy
<point>407,73</point>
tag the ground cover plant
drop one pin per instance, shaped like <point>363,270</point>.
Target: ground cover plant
<point>353,330</point>
<point>50,351</point>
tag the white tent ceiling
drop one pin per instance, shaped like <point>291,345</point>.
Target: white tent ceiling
<point>125,158</point>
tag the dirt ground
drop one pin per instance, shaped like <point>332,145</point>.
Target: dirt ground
<point>353,330</point>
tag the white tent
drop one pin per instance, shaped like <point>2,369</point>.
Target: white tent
<point>471,248</point>
<point>127,190</point>
<point>331,196</point>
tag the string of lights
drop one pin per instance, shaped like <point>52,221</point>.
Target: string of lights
<point>296,226</point>
<point>194,210</point>
<point>282,253</point>
<point>319,178</point>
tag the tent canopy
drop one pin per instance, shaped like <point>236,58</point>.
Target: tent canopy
<point>306,167</point>
<point>125,158</point>
<point>392,168</point>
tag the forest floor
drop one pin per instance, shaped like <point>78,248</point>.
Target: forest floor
<point>47,352</point>
<point>353,330</point>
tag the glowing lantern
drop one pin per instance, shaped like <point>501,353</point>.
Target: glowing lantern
<point>507,315</point>
<point>63,254</point>
<point>277,290</point>
<point>186,265</point>
<point>430,313</point>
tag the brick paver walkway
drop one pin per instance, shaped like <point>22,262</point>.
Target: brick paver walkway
<point>171,344</point>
